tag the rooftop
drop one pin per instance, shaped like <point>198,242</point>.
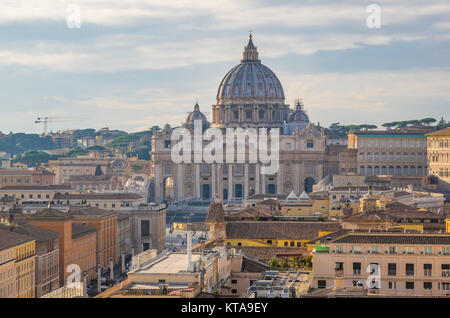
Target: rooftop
<point>394,238</point>
<point>54,187</point>
<point>89,211</point>
<point>292,230</point>
<point>441,132</point>
<point>80,229</point>
<point>99,196</point>
<point>172,263</point>
<point>37,233</point>
<point>10,239</point>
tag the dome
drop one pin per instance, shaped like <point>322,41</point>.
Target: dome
<point>298,116</point>
<point>296,120</point>
<point>197,115</point>
<point>250,79</point>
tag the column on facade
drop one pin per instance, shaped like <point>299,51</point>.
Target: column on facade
<point>197,180</point>
<point>297,178</point>
<point>219,181</point>
<point>158,181</point>
<point>257,181</point>
<point>246,181</point>
<point>213,180</point>
<point>269,115</point>
<point>263,183</point>
<point>230,181</point>
<point>180,181</point>
<point>241,114</point>
<point>280,180</point>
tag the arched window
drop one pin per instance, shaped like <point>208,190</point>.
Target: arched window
<point>376,170</point>
<point>369,170</point>
<point>398,156</point>
<point>405,156</point>
<point>405,170</point>
<point>391,156</point>
<point>398,171</point>
<point>362,170</point>
<point>383,170</point>
<point>412,156</point>
<point>412,170</point>
<point>362,156</point>
<point>383,156</point>
<point>369,156</point>
<point>419,156</point>
<point>391,170</point>
<point>376,156</point>
<point>419,170</point>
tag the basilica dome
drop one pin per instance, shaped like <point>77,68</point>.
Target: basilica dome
<point>197,115</point>
<point>250,79</point>
<point>296,120</point>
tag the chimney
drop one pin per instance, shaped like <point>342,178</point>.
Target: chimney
<point>189,250</point>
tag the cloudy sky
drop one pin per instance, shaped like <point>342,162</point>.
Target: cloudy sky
<point>133,64</point>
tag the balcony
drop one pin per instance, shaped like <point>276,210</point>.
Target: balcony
<point>339,272</point>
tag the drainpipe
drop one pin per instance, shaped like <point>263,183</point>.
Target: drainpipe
<point>84,284</point>
<point>111,269</point>
<point>99,278</point>
<point>189,250</point>
<point>123,263</point>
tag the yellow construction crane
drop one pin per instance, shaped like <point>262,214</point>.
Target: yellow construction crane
<point>46,120</point>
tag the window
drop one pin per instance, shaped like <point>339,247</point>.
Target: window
<point>392,285</point>
<point>427,269</point>
<point>445,270</point>
<point>392,269</point>
<point>167,143</point>
<point>356,268</point>
<point>374,249</point>
<point>409,285</point>
<point>269,241</point>
<point>427,285</point>
<point>285,243</point>
<point>392,250</point>
<point>409,250</point>
<point>409,269</point>
<point>309,144</point>
<point>234,291</point>
<point>428,250</point>
<point>446,250</point>
<point>445,286</point>
<point>145,228</point>
<point>167,169</point>
<point>234,281</point>
<point>339,268</point>
<point>356,249</point>
<point>323,284</point>
<point>292,244</point>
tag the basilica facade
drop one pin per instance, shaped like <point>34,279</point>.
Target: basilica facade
<point>249,96</point>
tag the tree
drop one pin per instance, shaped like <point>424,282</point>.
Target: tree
<point>427,121</point>
<point>274,264</point>
<point>98,171</point>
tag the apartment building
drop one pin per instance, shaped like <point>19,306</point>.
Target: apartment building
<point>406,264</point>
<point>401,154</point>
<point>82,165</point>
<point>110,201</point>
<point>105,222</point>
<point>438,152</point>
<point>147,227</point>
<point>35,194</point>
<point>47,255</point>
<point>17,256</point>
